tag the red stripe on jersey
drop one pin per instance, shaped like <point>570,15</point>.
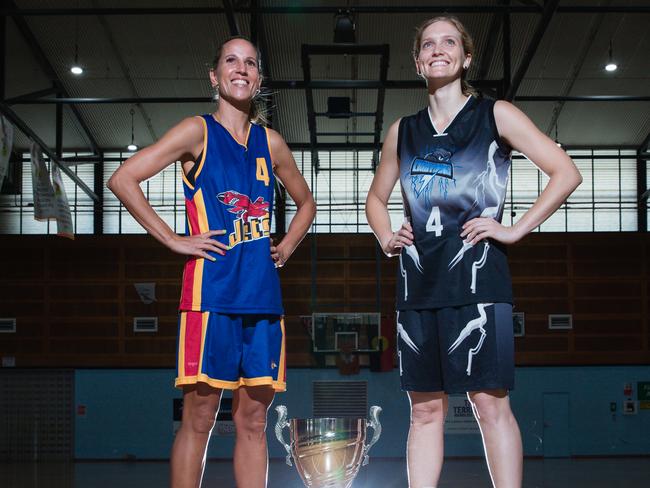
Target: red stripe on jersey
<point>188,284</point>
<point>192,351</point>
<point>192,216</point>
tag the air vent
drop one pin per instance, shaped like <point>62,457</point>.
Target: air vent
<point>560,321</point>
<point>340,399</point>
<point>145,324</point>
<point>8,326</point>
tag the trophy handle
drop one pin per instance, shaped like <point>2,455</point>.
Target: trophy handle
<point>279,427</point>
<point>373,422</point>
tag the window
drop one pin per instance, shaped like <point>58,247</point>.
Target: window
<point>17,210</point>
<point>606,200</point>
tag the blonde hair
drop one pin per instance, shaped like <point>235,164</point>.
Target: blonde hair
<point>257,112</point>
<point>466,39</point>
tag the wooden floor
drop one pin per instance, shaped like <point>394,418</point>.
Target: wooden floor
<point>380,473</point>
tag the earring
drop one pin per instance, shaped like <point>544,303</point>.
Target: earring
<point>215,95</point>
<point>257,92</point>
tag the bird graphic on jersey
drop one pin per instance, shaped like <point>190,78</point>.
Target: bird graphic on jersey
<point>242,205</point>
<point>425,170</point>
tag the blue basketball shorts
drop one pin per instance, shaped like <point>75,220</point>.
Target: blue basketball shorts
<point>229,351</point>
<point>456,349</point>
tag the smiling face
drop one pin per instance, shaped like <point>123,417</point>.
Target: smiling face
<point>440,53</point>
<point>236,73</point>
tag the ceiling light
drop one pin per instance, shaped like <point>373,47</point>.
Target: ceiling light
<point>344,28</point>
<point>76,69</point>
<point>611,65</point>
<point>132,147</point>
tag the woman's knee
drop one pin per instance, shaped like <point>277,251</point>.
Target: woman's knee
<point>200,411</point>
<point>251,420</point>
<point>429,412</point>
<point>491,407</point>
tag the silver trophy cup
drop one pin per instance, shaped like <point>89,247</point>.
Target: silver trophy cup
<point>328,452</point>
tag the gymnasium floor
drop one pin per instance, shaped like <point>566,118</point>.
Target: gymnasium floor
<point>380,473</point>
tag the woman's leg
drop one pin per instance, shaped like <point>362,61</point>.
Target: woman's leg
<point>501,437</point>
<point>200,406</point>
<point>424,448</point>
<point>250,404</point>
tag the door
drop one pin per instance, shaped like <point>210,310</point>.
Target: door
<point>556,425</point>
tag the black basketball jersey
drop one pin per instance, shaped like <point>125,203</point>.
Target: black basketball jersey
<point>448,178</point>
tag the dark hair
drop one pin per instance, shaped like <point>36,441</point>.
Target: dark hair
<point>466,38</point>
<point>257,113</point>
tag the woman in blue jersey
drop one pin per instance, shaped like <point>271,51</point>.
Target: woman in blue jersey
<point>230,330</point>
<point>454,302</point>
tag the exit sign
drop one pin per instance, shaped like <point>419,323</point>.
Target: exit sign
<point>643,389</point>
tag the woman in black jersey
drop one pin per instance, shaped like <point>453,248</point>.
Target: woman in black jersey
<point>454,297</point>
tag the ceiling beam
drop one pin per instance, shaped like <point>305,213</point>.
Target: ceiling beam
<point>490,46</point>
<point>127,77</point>
<point>230,17</point>
<point>506,48</point>
<point>25,129</point>
<point>582,56</point>
<point>299,9</point>
<point>542,25</point>
<point>45,65</point>
<point>309,96</point>
<point>645,145</point>
<point>32,95</point>
<point>135,100</point>
<point>381,96</point>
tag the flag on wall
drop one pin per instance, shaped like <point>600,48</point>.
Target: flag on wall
<point>63,217</point>
<point>44,203</point>
<point>6,143</point>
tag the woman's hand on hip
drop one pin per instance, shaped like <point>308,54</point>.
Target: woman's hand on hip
<point>403,237</point>
<point>199,245</point>
<point>279,254</point>
<point>475,230</point>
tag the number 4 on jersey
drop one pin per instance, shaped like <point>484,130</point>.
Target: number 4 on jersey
<point>262,172</point>
<point>434,224</point>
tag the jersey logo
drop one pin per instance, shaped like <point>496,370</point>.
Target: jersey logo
<point>424,166</point>
<point>242,205</point>
<point>425,169</point>
<point>252,220</point>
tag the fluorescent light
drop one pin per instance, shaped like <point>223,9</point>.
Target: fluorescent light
<point>611,66</point>
<point>76,70</point>
<point>132,147</point>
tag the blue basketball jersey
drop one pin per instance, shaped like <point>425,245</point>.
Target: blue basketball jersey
<point>232,190</point>
<point>448,178</point>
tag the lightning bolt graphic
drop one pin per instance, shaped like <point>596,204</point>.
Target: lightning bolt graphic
<point>402,271</point>
<point>405,337</point>
<point>476,265</point>
<point>413,253</point>
<point>459,255</point>
<point>472,325</point>
<point>487,179</point>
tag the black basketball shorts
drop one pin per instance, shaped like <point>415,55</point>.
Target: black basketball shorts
<point>456,349</point>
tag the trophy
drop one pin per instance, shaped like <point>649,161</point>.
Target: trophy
<point>328,452</point>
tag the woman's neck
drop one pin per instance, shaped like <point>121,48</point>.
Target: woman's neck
<point>445,101</point>
<point>235,119</point>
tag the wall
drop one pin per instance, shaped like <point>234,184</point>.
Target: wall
<point>129,412</point>
<point>75,300</point>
